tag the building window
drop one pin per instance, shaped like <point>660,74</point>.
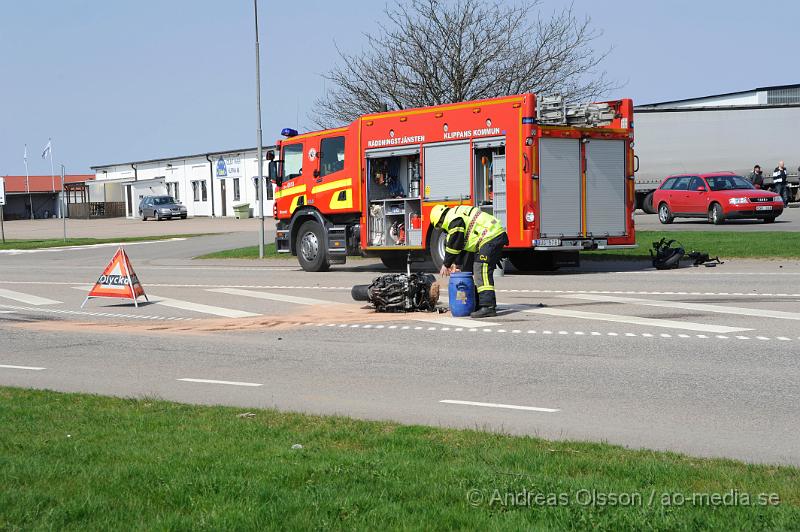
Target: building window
<point>173,190</point>
<point>199,191</point>
<point>236,193</point>
<point>332,155</point>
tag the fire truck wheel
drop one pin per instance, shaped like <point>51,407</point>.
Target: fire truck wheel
<point>311,248</point>
<point>436,246</point>
<point>394,262</point>
<point>664,214</point>
<point>534,261</point>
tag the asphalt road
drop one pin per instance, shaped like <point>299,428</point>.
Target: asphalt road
<point>698,360</point>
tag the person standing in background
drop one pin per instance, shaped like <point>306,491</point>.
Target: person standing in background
<point>756,177</point>
<point>779,181</point>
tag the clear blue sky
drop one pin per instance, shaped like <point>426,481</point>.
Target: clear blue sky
<point>115,81</point>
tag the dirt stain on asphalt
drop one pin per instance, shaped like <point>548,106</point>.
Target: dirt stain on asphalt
<point>311,315</point>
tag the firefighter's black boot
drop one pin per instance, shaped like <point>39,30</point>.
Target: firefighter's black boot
<point>484,312</point>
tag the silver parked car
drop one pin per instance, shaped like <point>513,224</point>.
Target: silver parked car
<point>160,207</point>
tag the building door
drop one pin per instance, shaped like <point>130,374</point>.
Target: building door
<point>129,202</point>
<point>224,196</point>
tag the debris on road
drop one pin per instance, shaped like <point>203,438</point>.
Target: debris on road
<point>667,257</point>
<point>400,292</point>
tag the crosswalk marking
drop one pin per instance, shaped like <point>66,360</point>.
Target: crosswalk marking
<point>194,307</point>
<point>652,322</point>
<point>27,298</point>
<point>454,322</point>
<point>702,307</point>
<point>201,308</point>
<point>272,296</point>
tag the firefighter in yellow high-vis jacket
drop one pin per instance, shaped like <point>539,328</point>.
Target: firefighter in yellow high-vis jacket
<point>470,230</point>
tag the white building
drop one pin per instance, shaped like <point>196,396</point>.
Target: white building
<point>208,184</point>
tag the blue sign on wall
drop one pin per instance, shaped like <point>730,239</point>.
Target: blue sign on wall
<point>222,169</point>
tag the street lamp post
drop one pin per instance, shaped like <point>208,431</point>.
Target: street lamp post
<point>260,195</point>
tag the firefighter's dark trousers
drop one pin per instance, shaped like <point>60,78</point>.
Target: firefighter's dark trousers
<point>486,259</point>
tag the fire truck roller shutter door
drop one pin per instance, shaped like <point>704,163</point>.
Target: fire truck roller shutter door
<point>560,187</point>
<point>380,153</point>
<point>447,172</point>
<point>605,187</point>
<point>500,210</point>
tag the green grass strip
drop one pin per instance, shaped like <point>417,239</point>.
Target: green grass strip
<point>726,244</point>
<point>59,242</point>
<point>83,462</point>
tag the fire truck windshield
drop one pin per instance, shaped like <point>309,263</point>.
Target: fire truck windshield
<point>292,161</point>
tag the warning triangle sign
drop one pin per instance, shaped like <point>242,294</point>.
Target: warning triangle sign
<point>118,280</point>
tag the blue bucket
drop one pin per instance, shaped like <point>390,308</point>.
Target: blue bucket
<point>462,294</point>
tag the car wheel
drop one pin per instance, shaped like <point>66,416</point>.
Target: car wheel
<point>144,218</point>
<point>647,204</point>
<point>156,216</point>
<point>183,216</point>
<point>436,247</point>
<point>715,214</point>
<point>311,248</point>
<point>664,214</point>
<point>769,220</point>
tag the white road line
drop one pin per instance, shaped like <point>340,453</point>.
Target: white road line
<point>230,383</point>
<point>348,288</point>
<point>456,322</point>
<point>498,405</point>
<point>194,307</point>
<point>702,307</point>
<point>652,322</point>
<point>271,296</point>
<point>31,368</point>
<point>6,312</point>
<point>27,298</point>
<point>86,313</point>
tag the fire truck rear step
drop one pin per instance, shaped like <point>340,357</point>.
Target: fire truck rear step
<point>337,244</point>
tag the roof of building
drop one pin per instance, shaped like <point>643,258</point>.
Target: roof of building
<point>41,183</point>
<point>175,157</point>
<point>757,89</point>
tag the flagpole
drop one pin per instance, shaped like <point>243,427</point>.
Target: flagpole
<point>27,181</point>
<point>52,172</point>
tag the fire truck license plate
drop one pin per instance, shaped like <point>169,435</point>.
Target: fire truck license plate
<point>547,242</point>
<point>764,208</point>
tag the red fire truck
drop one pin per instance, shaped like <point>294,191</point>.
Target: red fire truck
<point>559,177</point>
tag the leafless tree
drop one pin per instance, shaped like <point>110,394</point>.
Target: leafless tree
<point>430,52</point>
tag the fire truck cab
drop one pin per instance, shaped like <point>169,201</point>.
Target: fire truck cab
<point>559,178</point>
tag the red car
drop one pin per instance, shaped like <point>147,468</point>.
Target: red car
<point>718,197</point>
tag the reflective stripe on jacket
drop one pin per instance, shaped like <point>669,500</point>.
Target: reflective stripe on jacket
<point>467,228</point>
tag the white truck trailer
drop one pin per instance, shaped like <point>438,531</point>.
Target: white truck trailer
<point>707,139</point>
